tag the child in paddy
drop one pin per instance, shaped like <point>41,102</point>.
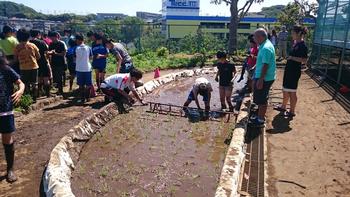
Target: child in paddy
<point>225,74</point>
<point>7,120</point>
<point>201,87</point>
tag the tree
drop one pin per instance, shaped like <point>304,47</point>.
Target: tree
<point>308,9</point>
<point>131,28</point>
<point>236,16</point>
<point>290,15</point>
<point>272,11</point>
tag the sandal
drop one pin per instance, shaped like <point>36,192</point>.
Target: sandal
<point>279,108</point>
<point>289,114</point>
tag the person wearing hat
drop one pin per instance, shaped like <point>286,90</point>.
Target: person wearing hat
<point>201,87</point>
<point>282,43</point>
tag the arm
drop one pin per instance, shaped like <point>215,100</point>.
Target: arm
<point>138,97</point>
<point>260,82</point>
<point>119,62</point>
<point>16,97</point>
<point>195,94</point>
<point>217,76</point>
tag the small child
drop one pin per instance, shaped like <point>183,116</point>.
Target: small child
<point>7,119</point>
<point>225,75</point>
<point>250,62</point>
<point>157,73</point>
<point>83,68</point>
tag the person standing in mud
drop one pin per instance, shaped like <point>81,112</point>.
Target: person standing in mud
<point>7,119</point>
<point>201,87</point>
<point>117,88</point>
<point>225,75</point>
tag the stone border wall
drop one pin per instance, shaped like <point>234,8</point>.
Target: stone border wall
<point>56,178</point>
<point>40,104</point>
<point>231,172</point>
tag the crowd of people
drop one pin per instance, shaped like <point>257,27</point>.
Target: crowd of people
<point>35,61</point>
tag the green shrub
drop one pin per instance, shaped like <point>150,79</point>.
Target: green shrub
<point>162,52</point>
<point>25,102</point>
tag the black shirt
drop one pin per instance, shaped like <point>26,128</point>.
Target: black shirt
<point>7,78</point>
<point>43,48</point>
<point>59,47</point>
<point>298,50</point>
<point>225,73</point>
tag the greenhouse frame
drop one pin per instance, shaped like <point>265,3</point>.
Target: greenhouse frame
<point>331,47</point>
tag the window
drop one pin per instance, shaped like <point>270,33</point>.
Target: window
<point>213,25</point>
<point>244,26</point>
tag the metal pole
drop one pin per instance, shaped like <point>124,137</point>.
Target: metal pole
<point>322,34</point>
<point>344,48</point>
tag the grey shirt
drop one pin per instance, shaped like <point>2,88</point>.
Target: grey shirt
<point>120,49</point>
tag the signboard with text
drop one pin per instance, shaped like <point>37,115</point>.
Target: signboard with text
<point>182,4</point>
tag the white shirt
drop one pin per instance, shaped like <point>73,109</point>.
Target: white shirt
<point>119,81</point>
<point>83,54</point>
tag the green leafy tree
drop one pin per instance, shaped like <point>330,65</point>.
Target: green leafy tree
<point>291,15</point>
<point>236,15</point>
<point>272,11</point>
<point>131,28</point>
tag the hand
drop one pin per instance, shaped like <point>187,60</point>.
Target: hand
<point>98,56</point>
<point>260,84</point>
<point>16,97</point>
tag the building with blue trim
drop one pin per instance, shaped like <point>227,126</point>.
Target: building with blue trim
<point>181,17</point>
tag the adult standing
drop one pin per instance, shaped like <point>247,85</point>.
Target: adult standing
<point>297,56</point>
<point>124,61</point>
<point>282,43</point>
<point>57,50</point>
<point>265,75</point>
<point>45,73</point>
<point>8,44</point>
<point>273,38</point>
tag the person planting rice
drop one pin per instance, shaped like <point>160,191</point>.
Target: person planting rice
<point>118,86</point>
<point>201,87</point>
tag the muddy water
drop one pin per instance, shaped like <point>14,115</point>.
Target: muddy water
<point>145,154</point>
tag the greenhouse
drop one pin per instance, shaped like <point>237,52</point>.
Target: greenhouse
<point>331,47</point>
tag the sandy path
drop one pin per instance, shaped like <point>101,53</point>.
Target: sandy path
<point>310,155</point>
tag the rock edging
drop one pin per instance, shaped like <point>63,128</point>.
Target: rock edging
<point>230,174</point>
<point>56,178</point>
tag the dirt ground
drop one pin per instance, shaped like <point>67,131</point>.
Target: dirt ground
<point>309,155</point>
<point>146,154</point>
<point>37,134</point>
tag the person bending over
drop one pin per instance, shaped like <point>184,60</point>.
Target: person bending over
<point>118,86</point>
<point>201,87</point>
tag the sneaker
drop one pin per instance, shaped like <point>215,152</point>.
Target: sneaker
<point>279,108</point>
<point>289,114</point>
<point>257,122</point>
<point>11,177</point>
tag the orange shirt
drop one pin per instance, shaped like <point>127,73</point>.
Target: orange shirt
<point>27,54</point>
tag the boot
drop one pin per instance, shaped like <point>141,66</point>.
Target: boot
<point>47,91</point>
<point>10,157</point>
<point>35,92</point>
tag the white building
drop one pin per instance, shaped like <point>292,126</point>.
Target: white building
<point>181,8</point>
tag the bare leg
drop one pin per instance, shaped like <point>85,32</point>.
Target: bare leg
<point>262,111</point>
<point>98,78</point>
<point>285,100</point>
<point>293,101</point>
<point>222,97</point>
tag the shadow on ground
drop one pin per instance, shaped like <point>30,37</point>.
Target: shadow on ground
<point>280,124</point>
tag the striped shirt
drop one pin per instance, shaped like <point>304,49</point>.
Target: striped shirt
<point>283,36</point>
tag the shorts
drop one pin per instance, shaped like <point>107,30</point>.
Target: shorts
<point>71,69</point>
<point>126,67</point>
<point>44,71</point>
<point>84,78</point>
<point>261,97</point>
<point>57,73</point>
<point>99,68</point>
<point>29,76</point>
<point>191,97</point>
<point>291,79</point>
<point>7,124</point>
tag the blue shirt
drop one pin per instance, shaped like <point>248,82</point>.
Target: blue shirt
<point>99,49</point>
<point>267,56</point>
<point>7,78</point>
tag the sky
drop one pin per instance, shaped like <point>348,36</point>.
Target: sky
<point>129,7</point>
